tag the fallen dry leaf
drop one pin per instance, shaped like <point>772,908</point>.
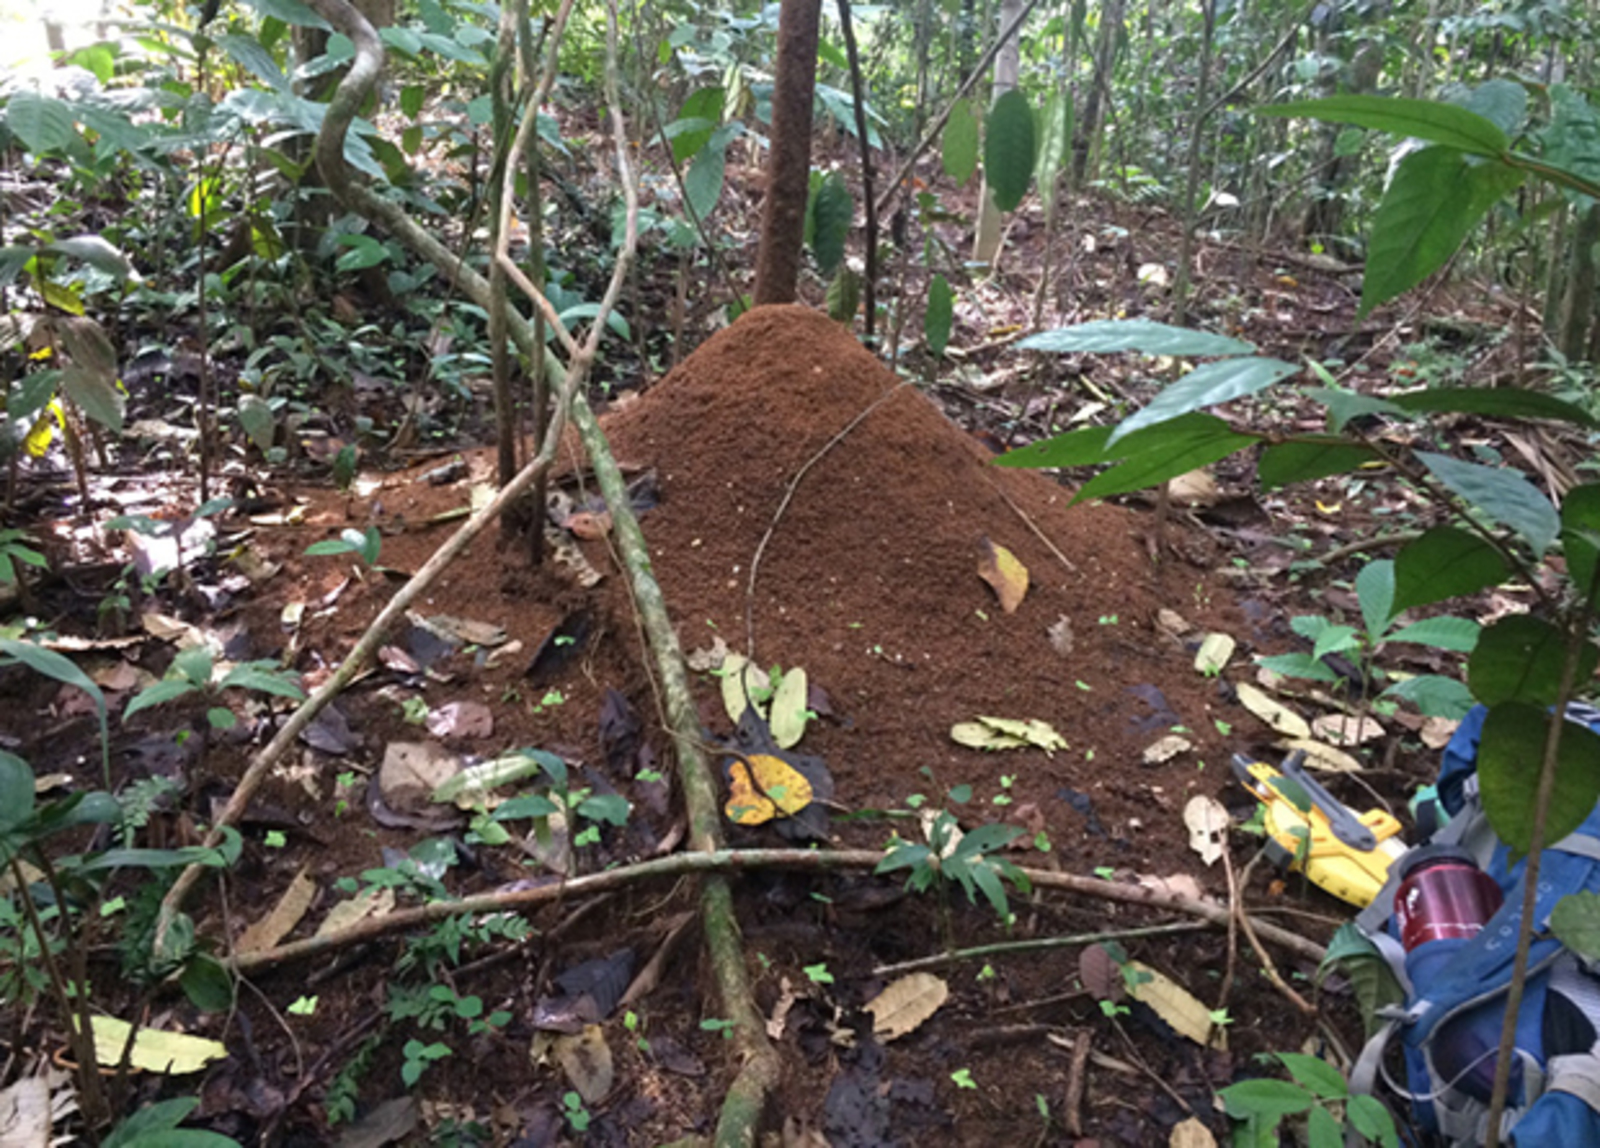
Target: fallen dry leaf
<point>976,735</point>
<point>1346,729</point>
<point>742,679</point>
<point>904,1004</point>
<point>1060,636</point>
<point>412,770</point>
<point>1176,1005</point>
<point>1166,749</point>
<point>589,526</point>
<point>1207,822</point>
<point>776,789</point>
<point>1273,712</point>
<point>1191,1134</point>
<point>1196,488</point>
<point>461,719</point>
<point>1007,576</point>
<point>703,660</point>
<point>1215,650</point>
<point>1320,756</point>
<point>154,1050</point>
<point>586,1059</point>
<point>1172,623</point>
<point>285,915</point>
<point>367,903</point>
<point>1437,732</point>
<point>787,714</point>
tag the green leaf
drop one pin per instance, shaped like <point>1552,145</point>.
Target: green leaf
<point>1142,335</point>
<point>1264,1099</point>
<point>1206,386</point>
<point>1436,197</point>
<point>258,421</point>
<point>153,859</point>
<point>938,319</point>
<point>1580,538</point>
<point>612,808</point>
<point>1459,635</point>
<point>1434,695</point>
<point>1008,152</point>
<point>1308,459</point>
<point>1322,1130</point>
<point>1055,144</point>
<point>42,123</point>
<point>96,395</point>
<point>1345,405</point>
<point>1504,495</point>
<point>1503,103</point>
<point>1370,1118</point>
<point>16,791</point>
<point>247,52</point>
<point>1496,402</point>
<point>1375,591</point>
<point>697,119</point>
<point>959,148</point>
<point>1167,450</point>
<point>1315,1074</point>
<point>1519,659</point>
<point>263,677</point>
<point>1448,124</point>
<point>1298,665</point>
<point>162,1117</point>
<point>195,665</point>
<point>205,981</point>
<point>97,253</point>
<point>157,694</point>
<point>55,666</point>
<point>1572,141</point>
<point>1446,562</point>
<point>702,183</point>
<point>832,212</point>
<point>528,805</point>
<point>844,296</point>
<point>1083,447</point>
<point>1510,753</point>
<point>365,251</point>
<point>1576,921</point>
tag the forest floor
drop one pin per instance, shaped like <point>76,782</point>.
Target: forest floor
<point>869,502</point>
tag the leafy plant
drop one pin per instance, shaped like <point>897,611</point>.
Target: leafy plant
<point>191,673</point>
<point>969,860</point>
<point>364,544</point>
<point>15,551</point>
<point>157,1126</point>
<point>1318,1092</point>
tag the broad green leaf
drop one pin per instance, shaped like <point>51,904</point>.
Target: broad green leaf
<point>1510,754</point>
<point>832,212</point>
<point>1434,695</point>
<point>1334,640</point>
<point>1580,538</point>
<point>1269,1099</point>
<point>1345,405</point>
<point>1322,1129</point>
<point>1316,1074</point>
<point>1375,592</point>
<point>162,1117</point>
<point>89,347</point>
<point>1298,665</point>
<point>1576,921</point>
<point>205,981</point>
<point>1503,103</point>
<point>1307,459</point>
<point>365,251</point>
<point>1497,402</point>
<point>1519,658</point>
<point>702,183</point>
<point>16,791</point>
<point>1168,449</point>
<point>1083,447</point>
<point>263,677</point>
<point>612,808</point>
<point>1436,197</point>
<point>1572,141</point>
<point>959,148</point>
<point>42,123</point>
<point>1008,152</point>
<point>290,12</point>
<point>1055,143</point>
<point>411,99</point>
<point>55,666</point>
<point>194,664</point>
<point>1504,495</point>
<point>159,693</point>
<point>153,859</point>
<point>1459,635</point>
<point>97,253</point>
<point>528,806</point>
<point>1448,124</point>
<point>786,716</point>
<point>1446,562</point>
<point>843,296</point>
<point>258,421</point>
<point>697,119</point>
<point>1142,335</point>
<point>938,319</point>
<point>95,394</point>
<point>247,52</point>
<point>1207,385</point>
<point>1367,1115</point>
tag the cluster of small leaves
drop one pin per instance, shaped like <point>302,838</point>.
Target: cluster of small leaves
<point>1263,1104</point>
<point>968,859</point>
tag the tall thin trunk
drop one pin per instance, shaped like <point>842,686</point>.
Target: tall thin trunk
<point>789,162</point>
<point>1007,63</point>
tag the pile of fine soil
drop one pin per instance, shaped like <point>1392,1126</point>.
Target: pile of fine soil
<point>870,581</point>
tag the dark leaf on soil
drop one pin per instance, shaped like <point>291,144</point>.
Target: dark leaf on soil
<point>561,645</point>
<point>330,732</point>
<point>855,1113</point>
<point>671,1055</point>
<point>589,992</point>
<point>1161,716</point>
<point>1082,803</point>
<point>619,733</point>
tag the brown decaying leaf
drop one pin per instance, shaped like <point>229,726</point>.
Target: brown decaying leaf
<point>1273,712</point>
<point>1100,973</point>
<point>285,915</point>
<point>1060,635</point>
<point>1007,576</point>
<point>904,1004</point>
<point>367,903</point>
<point>1166,749</point>
<point>586,1059</point>
<point>461,719</point>
<point>1176,1005</point>
<point>1344,729</point>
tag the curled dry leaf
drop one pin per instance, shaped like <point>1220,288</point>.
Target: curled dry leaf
<point>904,1004</point>
<point>461,719</point>
<point>1101,974</point>
<point>1197,488</point>
<point>1176,1005</point>
<point>1437,732</point>
<point>1166,749</point>
<point>1172,623</point>
<point>1347,729</point>
<point>1207,822</point>
<point>590,526</point>
<point>1215,650</point>
<point>586,1059</point>
<point>976,735</point>
<point>1005,574</point>
<point>710,658</point>
<point>1273,712</point>
<point>742,679</point>
<point>1320,756</point>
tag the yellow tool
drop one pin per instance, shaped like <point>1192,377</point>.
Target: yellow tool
<point>1312,832</point>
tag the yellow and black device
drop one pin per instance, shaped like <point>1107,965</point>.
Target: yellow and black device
<point>1310,831</point>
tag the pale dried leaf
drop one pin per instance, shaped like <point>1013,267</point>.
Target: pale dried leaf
<point>779,1016</point>
<point>1191,1134</point>
<point>586,1059</point>
<point>1176,1005</point>
<point>977,735</point>
<point>367,903</point>
<point>700,661</point>
<point>1060,635</point>
<point>1320,756</point>
<point>1437,732</point>
<point>1166,749</point>
<point>412,771</point>
<point>742,679</point>
<point>1033,731</point>
<point>1215,650</point>
<point>1196,488</point>
<point>154,1049</point>
<point>1207,822</point>
<point>285,915</point>
<point>461,719</point>
<point>1007,576</point>
<point>904,1004</point>
<point>787,717</point>
<point>465,630</point>
<point>170,629</point>
<point>1175,885</point>
<point>1172,623</point>
<point>1347,729</point>
<point>1273,712</point>
<point>25,1116</point>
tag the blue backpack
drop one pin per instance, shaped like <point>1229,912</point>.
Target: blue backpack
<point>1457,987</point>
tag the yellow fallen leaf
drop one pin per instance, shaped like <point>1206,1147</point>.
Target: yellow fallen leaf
<point>1274,713</point>
<point>1175,1004</point>
<point>1005,574</point>
<point>154,1050</point>
<point>276,925</point>
<point>977,735</point>
<point>777,789</point>
<point>1215,650</point>
<point>787,716</point>
<point>742,680</point>
<point>1191,1134</point>
<point>905,1003</point>
<point>1320,756</point>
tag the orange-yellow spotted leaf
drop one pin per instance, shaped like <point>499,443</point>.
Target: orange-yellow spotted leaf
<point>776,790</point>
<point>1005,574</point>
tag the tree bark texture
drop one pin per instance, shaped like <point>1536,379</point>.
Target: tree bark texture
<point>789,160</point>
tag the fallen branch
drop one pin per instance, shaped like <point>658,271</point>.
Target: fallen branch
<point>733,861</point>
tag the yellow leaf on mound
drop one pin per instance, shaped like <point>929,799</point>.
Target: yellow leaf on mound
<point>1005,574</point>
<point>776,790</point>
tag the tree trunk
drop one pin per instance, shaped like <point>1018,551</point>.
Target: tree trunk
<point>1105,53</point>
<point>1007,62</point>
<point>1578,308</point>
<point>789,161</point>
